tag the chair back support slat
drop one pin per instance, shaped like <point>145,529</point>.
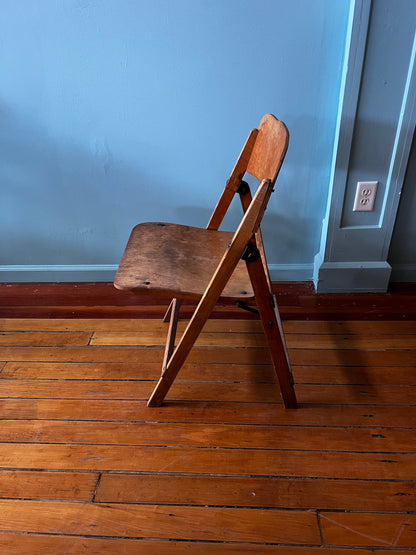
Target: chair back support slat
<point>233,181</point>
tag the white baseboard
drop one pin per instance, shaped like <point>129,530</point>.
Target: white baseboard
<point>57,273</point>
<point>106,272</point>
<point>291,272</point>
<point>352,277</point>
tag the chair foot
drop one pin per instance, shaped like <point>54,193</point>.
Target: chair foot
<point>289,400</point>
<point>159,392</point>
<point>154,403</point>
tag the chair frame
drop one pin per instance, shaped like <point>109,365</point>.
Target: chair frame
<point>247,244</point>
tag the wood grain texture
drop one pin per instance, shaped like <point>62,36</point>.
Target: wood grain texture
<point>190,460</point>
<point>294,341</point>
<point>208,391</point>
<point>374,440</point>
<point>158,521</point>
<point>218,355</point>
<point>367,416</point>
<point>272,140</point>
<point>358,375</point>
<point>87,467</point>
<point>179,261</point>
<point>296,301</point>
<point>332,328</point>
<point>19,544</point>
<point>42,339</point>
<point>72,486</point>
<point>298,493</point>
<point>386,530</point>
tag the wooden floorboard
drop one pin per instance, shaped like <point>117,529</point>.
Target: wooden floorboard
<point>221,467</point>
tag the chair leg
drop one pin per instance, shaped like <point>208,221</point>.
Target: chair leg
<point>166,317</point>
<point>172,315</point>
<point>269,314</point>
<point>178,357</point>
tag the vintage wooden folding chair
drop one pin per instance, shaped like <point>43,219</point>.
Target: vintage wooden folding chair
<point>185,262</point>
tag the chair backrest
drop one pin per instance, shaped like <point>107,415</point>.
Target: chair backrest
<point>261,156</point>
<point>269,149</point>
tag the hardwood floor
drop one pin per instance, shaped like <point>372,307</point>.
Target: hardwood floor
<point>221,467</point>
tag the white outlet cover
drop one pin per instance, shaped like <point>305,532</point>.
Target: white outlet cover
<point>365,196</point>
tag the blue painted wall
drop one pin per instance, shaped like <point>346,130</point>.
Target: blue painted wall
<point>114,112</point>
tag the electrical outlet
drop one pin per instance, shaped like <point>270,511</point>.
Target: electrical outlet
<point>365,196</point>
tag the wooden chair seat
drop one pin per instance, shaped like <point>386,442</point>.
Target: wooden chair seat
<point>186,260</point>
